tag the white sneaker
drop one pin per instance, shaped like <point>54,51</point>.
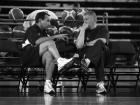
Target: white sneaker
<point>100,88</point>
<point>62,62</point>
<point>48,87</point>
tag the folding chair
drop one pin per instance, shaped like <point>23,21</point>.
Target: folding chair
<point>120,50</point>
<point>11,60</point>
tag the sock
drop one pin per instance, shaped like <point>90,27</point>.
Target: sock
<point>101,82</point>
<point>58,60</point>
<point>48,80</point>
<point>87,61</point>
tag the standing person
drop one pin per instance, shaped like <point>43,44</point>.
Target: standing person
<point>40,49</point>
<point>33,14</point>
<point>91,40</point>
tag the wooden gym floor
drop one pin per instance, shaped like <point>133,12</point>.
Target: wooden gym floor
<point>69,96</point>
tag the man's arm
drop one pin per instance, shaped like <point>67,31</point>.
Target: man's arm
<point>43,39</point>
<point>81,38</point>
<point>91,43</point>
<point>103,35</point>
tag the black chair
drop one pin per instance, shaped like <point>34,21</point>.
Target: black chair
<point>10,60</point>
<point>120,50</point>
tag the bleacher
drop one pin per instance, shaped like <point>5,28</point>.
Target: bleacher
<point>123,17</point>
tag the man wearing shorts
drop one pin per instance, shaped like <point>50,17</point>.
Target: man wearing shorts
<point>40,49</point>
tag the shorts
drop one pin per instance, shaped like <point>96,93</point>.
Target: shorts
<point>30,56</point>
<point>63,46</point>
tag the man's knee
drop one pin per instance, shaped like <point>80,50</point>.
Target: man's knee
<point>49,43</point>
<point>44,46</point>
<point>47,56</point>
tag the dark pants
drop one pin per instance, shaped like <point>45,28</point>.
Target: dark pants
<point>96,55</point>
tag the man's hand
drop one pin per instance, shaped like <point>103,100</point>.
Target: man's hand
<point>91,43</point>
<point>85,25</point>
<point>61,36</point>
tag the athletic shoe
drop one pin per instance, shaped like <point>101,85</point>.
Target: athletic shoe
<point>48,87</point>
<point>63,64</point>
<point>83,65</point>
<point>100,88</point>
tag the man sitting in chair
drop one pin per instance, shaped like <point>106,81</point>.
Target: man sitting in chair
<point>91,40</point>
<point>40,49</point>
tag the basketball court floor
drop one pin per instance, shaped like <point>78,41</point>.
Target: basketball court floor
<point>123,96</point>
<point>70,99</point>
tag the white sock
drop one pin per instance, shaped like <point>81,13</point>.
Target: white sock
<point>87,61</point>
<point>59,59</point>
<point>48,80</point>
<point>98,83</point>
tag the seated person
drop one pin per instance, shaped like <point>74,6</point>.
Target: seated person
<point>91,41</point>
<point>40,49</point>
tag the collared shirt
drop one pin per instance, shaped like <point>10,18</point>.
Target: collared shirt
<point>32,34</point>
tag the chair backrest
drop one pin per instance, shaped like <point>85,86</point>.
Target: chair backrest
<point>121,50</point>
<point>8,46</point>
<point>120,47</point>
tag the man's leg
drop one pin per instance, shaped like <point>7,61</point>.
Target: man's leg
<point>51,47</point>
<point>100,76</point>
<point>99,70</point>
<point>95,55</point>
<point>49,63</point>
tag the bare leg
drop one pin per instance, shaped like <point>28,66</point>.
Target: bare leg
<point>49,46</point>
<point>49,62</point>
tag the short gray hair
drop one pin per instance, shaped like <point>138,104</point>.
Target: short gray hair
<point>91,13</point>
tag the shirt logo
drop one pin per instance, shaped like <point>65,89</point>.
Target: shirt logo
<point>38,34</point>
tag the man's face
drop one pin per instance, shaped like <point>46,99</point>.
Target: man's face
<point>46,22</point>
<point>89,19</point>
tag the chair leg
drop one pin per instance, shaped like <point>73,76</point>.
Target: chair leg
<point>55,80</point>
<point>80,79</point>
<point>23,82</point>
<point>116,80</point>
<point>138,79</point>
<point>112,79</point>
<point>136,83</point>
<point>82,76</point>
<point>108,83</point>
